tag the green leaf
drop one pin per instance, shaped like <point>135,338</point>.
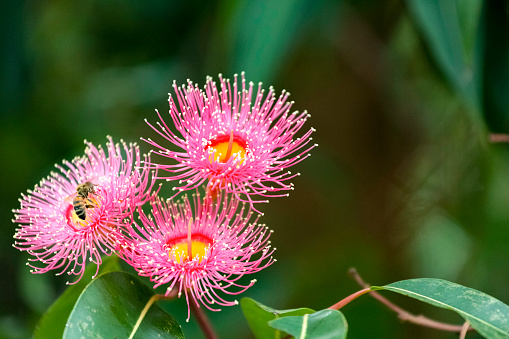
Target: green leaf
<point>324,324</point>
<point>487,315</point>
<point>52,323</point>
<point>110,306</point>
<point>454,31</point>
<point>258,315</point>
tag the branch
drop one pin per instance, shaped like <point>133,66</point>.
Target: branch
<point>495,138</point>
<point>464,329</point>
<point>407,316</point>
<point>202,320</point>
<point>346,300</point>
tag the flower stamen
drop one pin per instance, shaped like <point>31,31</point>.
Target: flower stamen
<point>230,146</point>
<point>189,242</point>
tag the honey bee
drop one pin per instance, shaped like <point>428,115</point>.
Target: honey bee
<point>81,201</point>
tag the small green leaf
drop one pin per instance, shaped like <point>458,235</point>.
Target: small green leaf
<point>110,307</point>
<point>487,315</point>
<point>258,316</point>
<point>324,324</point>
<point>52,323</point>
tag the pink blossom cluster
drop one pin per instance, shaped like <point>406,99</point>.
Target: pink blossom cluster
<point>230,147</point>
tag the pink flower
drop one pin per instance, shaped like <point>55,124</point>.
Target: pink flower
<point>230,142</point>
<point>61,239</point>
<point>201,252</point>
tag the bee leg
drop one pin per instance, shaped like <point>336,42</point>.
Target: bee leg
<point>90,204</point>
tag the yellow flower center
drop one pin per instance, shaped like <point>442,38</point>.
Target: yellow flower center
<point>178,252</point>
<point>221,150</point>
<point>226,146</point>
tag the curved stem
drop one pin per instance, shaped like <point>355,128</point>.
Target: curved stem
<point>346,300</point>
<point>202,320</point>
<point>495,138</point>
<point>407,316</point>
<point>464,329</point>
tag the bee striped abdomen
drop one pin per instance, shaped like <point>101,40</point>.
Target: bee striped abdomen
<point>80,207</point>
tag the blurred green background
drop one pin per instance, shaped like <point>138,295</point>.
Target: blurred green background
<point>403,94</point>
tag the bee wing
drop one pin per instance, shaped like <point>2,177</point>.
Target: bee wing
<point>70,198</point>
<point>93,179</point>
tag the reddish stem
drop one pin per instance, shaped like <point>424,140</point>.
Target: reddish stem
<point>495,138</point>
<point>464,329</point>
<point>202,320</point>
<point>351,297</point>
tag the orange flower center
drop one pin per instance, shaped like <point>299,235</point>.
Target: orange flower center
<point>226,146</point>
